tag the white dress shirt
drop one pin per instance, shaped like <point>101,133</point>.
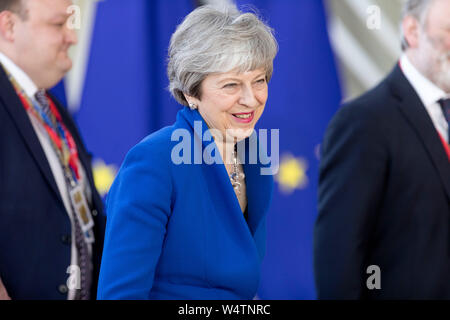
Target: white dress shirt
<point>31,89</point>
<point>429,93</point>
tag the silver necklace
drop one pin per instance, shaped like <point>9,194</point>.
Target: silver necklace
<point>236,177</point>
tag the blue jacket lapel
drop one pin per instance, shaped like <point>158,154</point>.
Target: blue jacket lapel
<point>259,187</point>
<point>259,193</point>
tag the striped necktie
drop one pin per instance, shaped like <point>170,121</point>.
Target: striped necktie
<point>41,98</point>
<point>82,248</point>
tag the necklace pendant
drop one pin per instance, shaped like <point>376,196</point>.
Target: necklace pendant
<point>237,187</point>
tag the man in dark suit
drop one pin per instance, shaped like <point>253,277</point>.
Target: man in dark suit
<point>51,219</point>
<point>383,229</point>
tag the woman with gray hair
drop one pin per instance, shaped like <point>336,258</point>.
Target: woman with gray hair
<point>186,213</point>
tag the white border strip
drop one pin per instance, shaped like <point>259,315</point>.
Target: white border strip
<point>75,78</point>
<point>353,55</point>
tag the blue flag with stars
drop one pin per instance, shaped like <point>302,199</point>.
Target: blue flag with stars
<point>125,96</point>
<point>304,93</point>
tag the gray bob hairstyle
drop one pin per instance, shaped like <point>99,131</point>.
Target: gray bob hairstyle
<point>215,40</point>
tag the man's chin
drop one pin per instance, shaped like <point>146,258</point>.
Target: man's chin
<point>444,84</point>
<point>66,66</point>
<point>443,76</point>
<point>53,80</point>
<point>64,63</point>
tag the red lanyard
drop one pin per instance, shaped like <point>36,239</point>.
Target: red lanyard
<point>61,138</point>
<point>446,146</point>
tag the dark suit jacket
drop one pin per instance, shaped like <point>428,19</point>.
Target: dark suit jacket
<point>384,195</point>
<point>35,242</point>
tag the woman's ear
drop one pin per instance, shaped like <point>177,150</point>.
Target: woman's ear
<point>193,102</point>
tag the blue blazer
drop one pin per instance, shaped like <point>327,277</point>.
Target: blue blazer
<point>177,231</point>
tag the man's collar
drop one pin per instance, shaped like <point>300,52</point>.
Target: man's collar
<point>428,92</point>
<point>19,75</point>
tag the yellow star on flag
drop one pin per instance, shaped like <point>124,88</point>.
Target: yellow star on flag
<point>103,176</point>
<point>292,174</point>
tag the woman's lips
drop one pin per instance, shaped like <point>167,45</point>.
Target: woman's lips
<point>244,117</point>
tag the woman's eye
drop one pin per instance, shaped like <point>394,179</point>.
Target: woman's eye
<point>230,85</point>
<point>260,82</point>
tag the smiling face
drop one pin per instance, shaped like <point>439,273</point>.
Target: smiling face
<point>233,102</point>
<point>42,41</point>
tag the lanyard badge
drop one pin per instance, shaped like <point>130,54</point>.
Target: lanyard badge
<point>82,212</point>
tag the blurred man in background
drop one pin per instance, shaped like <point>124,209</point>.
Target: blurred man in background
<point>51,220</point>
<point>383,230</point>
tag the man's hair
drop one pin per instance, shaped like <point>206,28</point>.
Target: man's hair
<point>16,6</point>
<point>417,9</point>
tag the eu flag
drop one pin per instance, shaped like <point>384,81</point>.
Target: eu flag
<point>125,96</point>
<point>304,93</point>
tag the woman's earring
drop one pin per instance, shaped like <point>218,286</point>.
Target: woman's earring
<point>192,105</point>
